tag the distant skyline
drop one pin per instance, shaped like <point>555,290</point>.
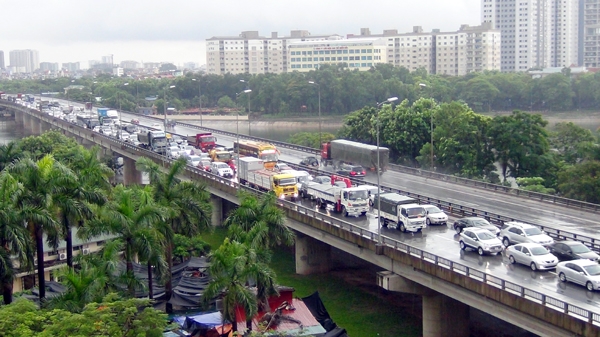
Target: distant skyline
<point>175,31</point>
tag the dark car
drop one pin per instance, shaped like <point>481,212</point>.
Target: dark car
<point>572,250</point>
<point>351,170</point>
<point>310,161</point>
<point>469,222</point>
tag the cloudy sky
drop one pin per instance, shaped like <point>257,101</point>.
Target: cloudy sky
<point>175,30</point>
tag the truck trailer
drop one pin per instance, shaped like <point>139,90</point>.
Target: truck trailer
<point>252,173</point>
<point>341,151</point>
<point>346,200</point>
<point>203,141</point>
<point>403,211</point>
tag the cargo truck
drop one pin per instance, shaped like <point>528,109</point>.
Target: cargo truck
<point>346,200</point>
<point>400,210</point>
<point>203,141</point>
<point>153,140</point>
<point>340,151</point>
<point>252,173</point>
<point>223,156</point>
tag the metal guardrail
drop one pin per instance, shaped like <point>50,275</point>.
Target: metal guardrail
<point>592,317</point>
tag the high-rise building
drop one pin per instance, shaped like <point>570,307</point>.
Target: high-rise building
<point>251,53</point>
<point>49,66</point>
<point>71,66</point>
<point>535,33</point>
<point>130,64</point>
<point>2,65</point>
<point>26,61</point>
<point>108,59</point>
<point>591,33</point>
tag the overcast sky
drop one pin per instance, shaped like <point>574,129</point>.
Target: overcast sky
<point>175,30</point>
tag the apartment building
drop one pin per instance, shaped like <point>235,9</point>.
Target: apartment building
<point>49,66</point>
<point>26,61</point>
<point>2,65</point>
<point>251,53</point>
<point>591,33</point>
<point>535,33</point>
<point>360,54</point>
<point>71,66</point>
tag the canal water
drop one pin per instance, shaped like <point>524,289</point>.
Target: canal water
<point>9,131</point>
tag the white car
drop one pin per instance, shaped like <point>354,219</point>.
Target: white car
<point>583,272</point>
<point>534,255</point>
<point>480,240</point>
<point>282,166</point>
<point>221,169</point>
<point>187,149</point>
<point>173,152</point>
<point>517,232</point>
<point>194,160</point>
<point>435,215</point>
<point>124,135</point>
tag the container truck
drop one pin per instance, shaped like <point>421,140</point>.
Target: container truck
<point>400,210</point>
<point>153,140</point>
<point>346,200</point>
<point>203,141</point>
<point>342,151</point>
<point>102,113</point>
<point>252,173</point>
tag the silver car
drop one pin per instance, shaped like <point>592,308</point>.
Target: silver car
<point>583,272</point>
<point>480,240</point>
<point>435,215</point>
<point>516,232</point>
<point>534,255</point>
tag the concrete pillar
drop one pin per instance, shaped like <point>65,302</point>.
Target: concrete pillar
<point>45,127</point>
<point>217,210</point>
<point>26,121</point>
<point>18,117</point>
<point>444,316</point>
<point>312,256</point>
<point>36,126</point>
<point>130,174</point>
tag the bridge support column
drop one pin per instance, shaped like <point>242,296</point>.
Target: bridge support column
<point>18,117</point>
<point>26,121</point>
<point>130,174</point>
<point>217,210</point>
<point>312,256</point>
<point>36,126</point>
<point>444,316</point>
<point>45,127</point>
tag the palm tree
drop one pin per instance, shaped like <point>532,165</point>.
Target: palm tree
<point>129,216</point>
<point>14,238</point>
<point>9,153</point>
<point>187,206</point>
<point>41,180</point>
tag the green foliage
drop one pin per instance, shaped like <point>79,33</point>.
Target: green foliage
<point>185,247</point>
<point>111,317</point>
<point>310,139</point>
<point>225,102</point>
<point>38,146</point>
<point>581,182</point>
<point>534,184</point>
<point>571,141</point>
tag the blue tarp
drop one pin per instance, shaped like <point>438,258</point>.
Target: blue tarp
<point>202,321</point>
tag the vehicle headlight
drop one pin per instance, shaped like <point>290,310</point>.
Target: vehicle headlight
<point>295,195</point>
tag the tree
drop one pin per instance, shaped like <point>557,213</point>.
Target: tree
<point>310,139</point>
<point>480,93</point>
<point>41,180</point>
<point>185,247</point>
<point>225,102</point>
<point>14,237</point>
<point>581,182</point>
<point>9,153</point>
<point>130,216</point>
<point>570,141</point>
<point>187,208</point>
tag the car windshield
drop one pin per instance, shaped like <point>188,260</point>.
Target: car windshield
<point>195,158</point>
<point>221,165</point>
<point>592,270</point>
<point>538,251</point>
<point>580,249</point>
<point>269,157</point>
<point>302,179</point>
<point>357,169</point>
<point>224,156</point>
<point>533,231</point>
<point>415,212</point>
<point>485,236</point>
<point>358,195</point>
<point>206,162</point>
<point>287,181</point>
<point>480,223</point>
<point>433,209</point>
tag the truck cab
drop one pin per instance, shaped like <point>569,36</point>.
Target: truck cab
<point>412,217</point>
<point>403,211</point>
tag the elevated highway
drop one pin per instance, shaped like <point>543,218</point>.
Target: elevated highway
<point>428,263</point>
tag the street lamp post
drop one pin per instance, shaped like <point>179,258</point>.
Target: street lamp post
<point>389,100</point>
<point>165,106</point>
<point>423,85</point>
<point>199,99</point>
<point>319,90</point>
<point>237,125</point>
<point>248,88</point>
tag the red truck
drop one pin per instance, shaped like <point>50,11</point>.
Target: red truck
<point>203,141</point>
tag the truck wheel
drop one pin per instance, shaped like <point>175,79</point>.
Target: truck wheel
<point>345,211</point>
<point>402,227</point>
<point>363,213</point>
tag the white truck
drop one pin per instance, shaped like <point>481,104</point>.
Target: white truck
<point>346,200</point>
<point>401,210</point>
<point>252,173</point>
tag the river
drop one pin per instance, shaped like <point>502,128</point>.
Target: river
<point>9,131</point>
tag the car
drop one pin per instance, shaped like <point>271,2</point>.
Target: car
<point>517,232</point>
<point>96,128</point>
<point>481,240</point>
<point>135,121</point>
<point>435,215</point>
<point>322,180</point>
<point>173,152</point>
<point>157,126</point>
<point>303,191</point>
<point>194,160</point>
<point>281,166</point>
<point>469,222</point>
<point>187,149</point>
<point>221,169</point>
<point>351,170</point>
<point>572,250</point>
<point>583,272</point>
<point>124,135</point>
<point>205,164</point>
<point>310,161</point>
<point>534,255</point>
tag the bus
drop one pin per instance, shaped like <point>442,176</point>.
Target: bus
<point>265,151</point>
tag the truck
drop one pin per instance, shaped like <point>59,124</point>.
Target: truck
<point>203,141</point>
<point>341,151</point>
<point>252,173</point>
<point>153,140</point>
<point>347,200</point>
<point>102,113</point>
<point>403,211</point>
<point>223,156</point>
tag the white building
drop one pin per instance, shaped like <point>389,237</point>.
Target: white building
<point>26,61</point>
<point>49,66</point>
<point>591,33</point>
<point>535,33</point>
